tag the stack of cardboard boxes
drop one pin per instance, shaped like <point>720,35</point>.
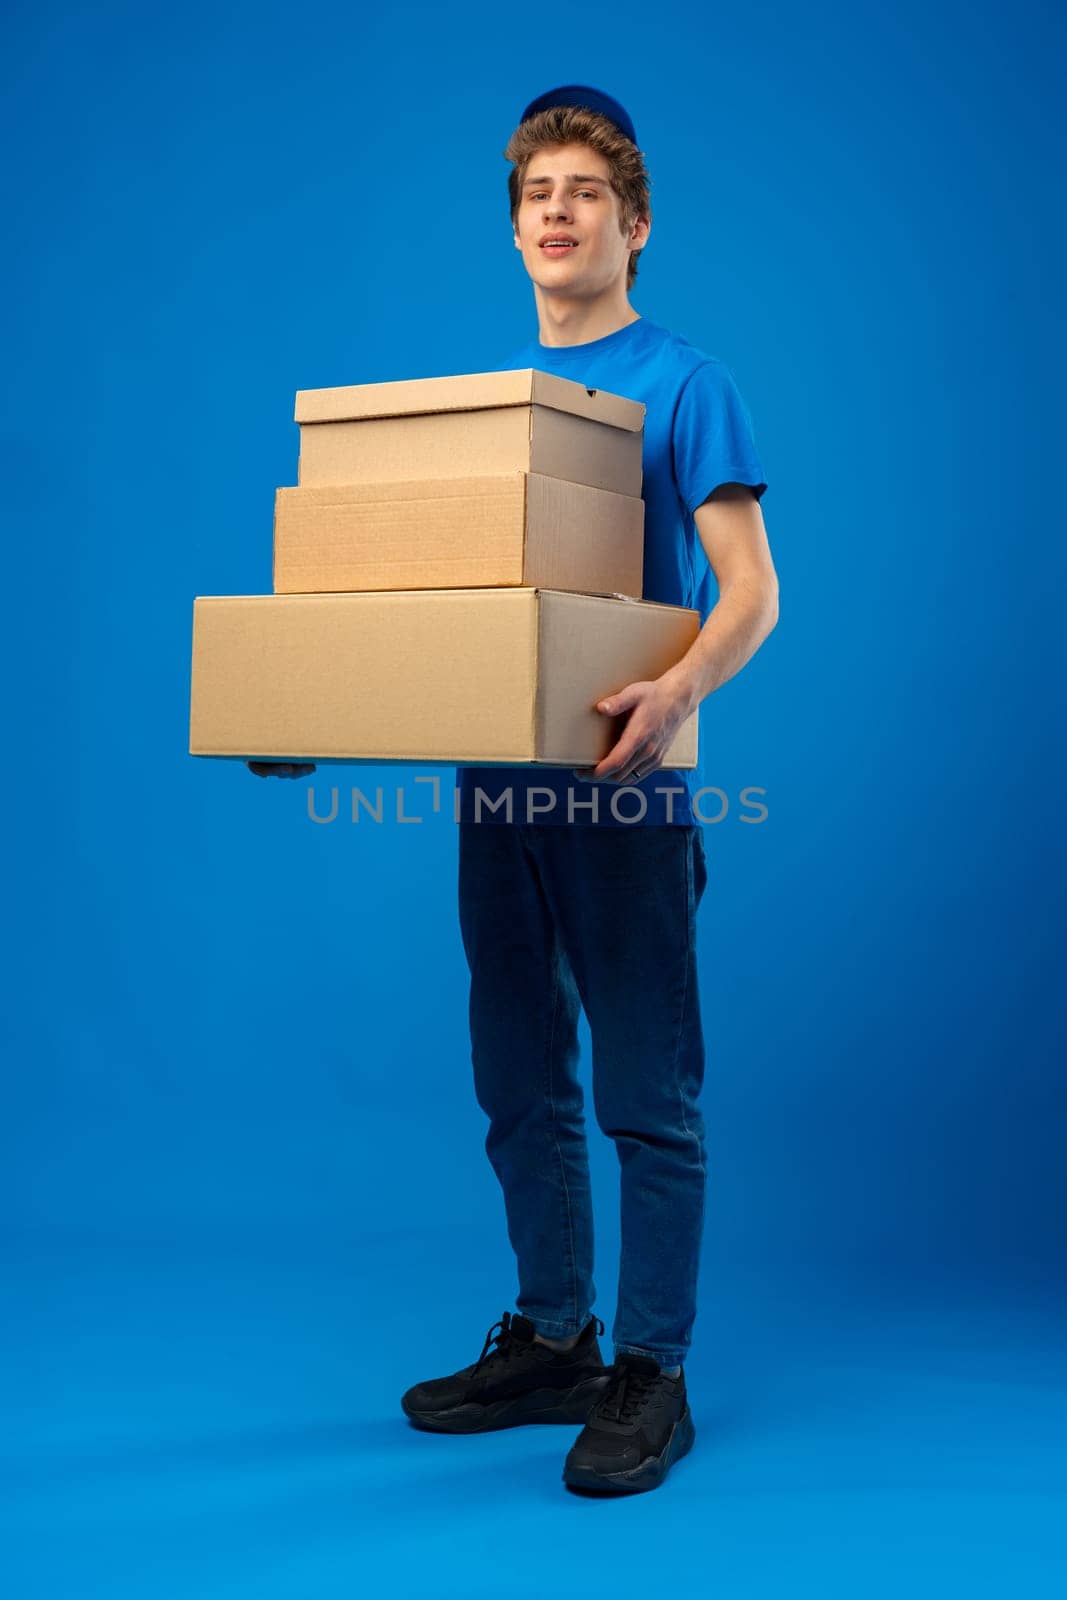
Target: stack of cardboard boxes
<point>457,578</point>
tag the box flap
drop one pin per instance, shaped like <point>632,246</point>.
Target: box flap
<point>472,391</point>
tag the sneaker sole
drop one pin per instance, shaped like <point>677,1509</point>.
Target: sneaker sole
<point>540,1405</point>
<point>648,1474</point>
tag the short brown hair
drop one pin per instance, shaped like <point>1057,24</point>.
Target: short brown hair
<point>561,125</point>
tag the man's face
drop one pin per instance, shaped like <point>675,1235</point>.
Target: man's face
<point>567,192</point>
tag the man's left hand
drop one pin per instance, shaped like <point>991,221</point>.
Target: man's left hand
<point>656,712</point>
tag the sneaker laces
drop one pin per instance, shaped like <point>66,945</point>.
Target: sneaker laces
<point>626,1393</point>
<point>504,1340</point>
<point>506,1343</point>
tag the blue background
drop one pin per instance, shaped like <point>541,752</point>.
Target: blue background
<point>247,1200</point>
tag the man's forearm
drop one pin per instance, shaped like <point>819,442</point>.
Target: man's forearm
<point>736,626</point>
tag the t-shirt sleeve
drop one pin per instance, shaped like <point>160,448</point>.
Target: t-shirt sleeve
<point>712,439</point>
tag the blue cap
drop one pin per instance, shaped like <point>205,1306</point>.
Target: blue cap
<point>580,94</point>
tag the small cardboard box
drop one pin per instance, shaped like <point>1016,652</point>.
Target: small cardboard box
<point>468,425</point>
<point>513,528</point>
<point>465,676</point>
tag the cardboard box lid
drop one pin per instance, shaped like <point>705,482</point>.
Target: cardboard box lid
<point>472,391</point>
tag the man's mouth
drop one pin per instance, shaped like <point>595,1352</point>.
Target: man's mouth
<point>558,247</point>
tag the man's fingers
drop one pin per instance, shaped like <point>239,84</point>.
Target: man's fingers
<point>280,769</point>
<point>620,774</point>
<point>621,767</point>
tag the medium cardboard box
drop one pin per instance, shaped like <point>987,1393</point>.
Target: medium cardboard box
<point>465,676</point>
<point>464,426</point>
<point>513,528</point>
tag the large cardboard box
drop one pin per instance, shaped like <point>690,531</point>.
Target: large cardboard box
<point>514,528</point>
<point>465,676</point>
<point>464,426</point>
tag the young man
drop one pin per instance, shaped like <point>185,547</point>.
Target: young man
<point>569,899</point>
<point>581,889</point>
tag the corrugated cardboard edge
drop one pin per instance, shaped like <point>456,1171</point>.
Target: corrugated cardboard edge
<point>534,708</point>
<point>471,391</point>
<point>538,728</point>
<point>525,523</point>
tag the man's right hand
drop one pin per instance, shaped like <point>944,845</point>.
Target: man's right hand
<point>280,769</point>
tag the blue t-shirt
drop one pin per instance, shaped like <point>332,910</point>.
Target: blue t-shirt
<point>697,435</point>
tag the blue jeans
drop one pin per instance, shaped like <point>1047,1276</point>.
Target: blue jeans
<point>553,919</point>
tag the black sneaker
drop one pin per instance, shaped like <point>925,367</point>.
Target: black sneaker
<point>518,1380</point>
<point>638,1428</point>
